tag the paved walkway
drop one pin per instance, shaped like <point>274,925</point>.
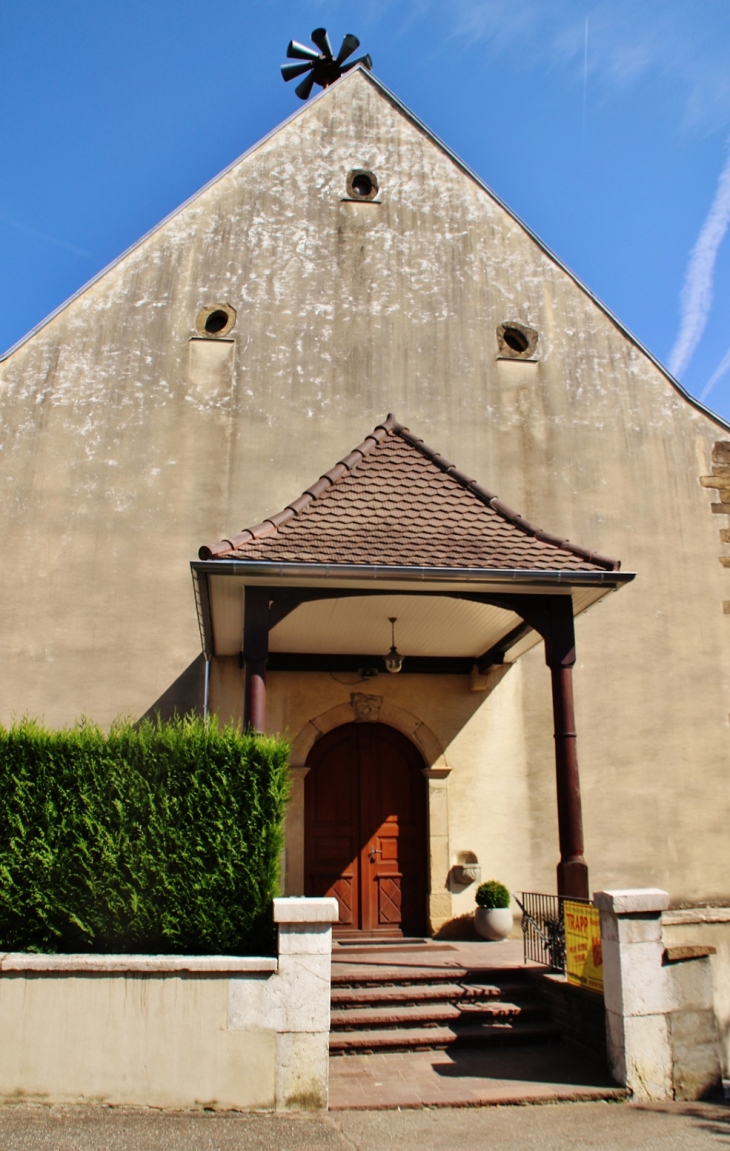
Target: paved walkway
<point>466,1078</point>
<point>462,1077</point>
<point>571,1127</point>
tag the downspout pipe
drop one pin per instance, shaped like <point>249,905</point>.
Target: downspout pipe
<point>206,689</point>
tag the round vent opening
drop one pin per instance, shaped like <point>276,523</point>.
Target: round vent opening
<point>361,184</point>
<point>515,341</point>
<point>513,338</point>
<point>215,321</point>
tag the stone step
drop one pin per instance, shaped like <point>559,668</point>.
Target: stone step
<point>343,947</point>
<point>440,1037</point>
<point>426,1014</point>
<point>353,975</point>
<point>377,994</point>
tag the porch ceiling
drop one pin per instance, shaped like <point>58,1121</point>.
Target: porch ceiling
<point>428,625</point>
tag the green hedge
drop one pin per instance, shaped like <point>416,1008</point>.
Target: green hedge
<point>158,837</point>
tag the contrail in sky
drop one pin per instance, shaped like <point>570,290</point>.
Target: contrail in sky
<point>696,297</point>
<point>585,76</point>
<point>717,375</point>
<point>46,238</point>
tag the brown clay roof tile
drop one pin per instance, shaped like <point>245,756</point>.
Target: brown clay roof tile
<point>395,502</point>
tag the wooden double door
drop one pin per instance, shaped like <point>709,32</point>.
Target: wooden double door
<point>365,829</point>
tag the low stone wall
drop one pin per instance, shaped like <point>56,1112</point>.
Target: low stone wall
<point>168,1031</point>
<point>707,927</point>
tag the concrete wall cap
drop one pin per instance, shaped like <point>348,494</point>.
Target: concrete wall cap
<point>20,961</point>
<point>632,899</point>
<point>678,952</point>
<point>298,909</point>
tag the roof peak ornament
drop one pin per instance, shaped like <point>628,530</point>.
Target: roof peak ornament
<point>322,65</point>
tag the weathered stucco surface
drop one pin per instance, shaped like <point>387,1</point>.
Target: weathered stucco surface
<point>154,1041</point>
<point>124,448</point>
<point>174,1031</point>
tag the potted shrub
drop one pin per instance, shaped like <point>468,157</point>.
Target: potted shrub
<point>493,918</point>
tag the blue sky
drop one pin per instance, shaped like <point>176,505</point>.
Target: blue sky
<point>605,125</point>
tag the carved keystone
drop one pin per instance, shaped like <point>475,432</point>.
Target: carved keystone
<point>366,708</point>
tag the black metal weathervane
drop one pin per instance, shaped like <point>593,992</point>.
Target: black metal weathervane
<point>323,66</point>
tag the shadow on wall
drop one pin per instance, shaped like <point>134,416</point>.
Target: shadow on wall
<point>183,696</point>
<point>468,703</point>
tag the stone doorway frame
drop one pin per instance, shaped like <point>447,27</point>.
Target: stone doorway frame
<point>364,708</point>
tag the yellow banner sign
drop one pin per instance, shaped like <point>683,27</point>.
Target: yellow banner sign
<point>583,952</point>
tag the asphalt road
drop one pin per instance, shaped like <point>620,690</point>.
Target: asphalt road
<point>558,1127</point>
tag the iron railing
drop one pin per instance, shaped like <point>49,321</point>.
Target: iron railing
<point>543,928</point>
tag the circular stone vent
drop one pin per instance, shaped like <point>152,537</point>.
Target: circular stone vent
<point>215,321</point>
<point>361,184</point>
<point>516,341</point>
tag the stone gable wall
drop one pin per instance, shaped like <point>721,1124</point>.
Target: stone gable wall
<point>127,441</point>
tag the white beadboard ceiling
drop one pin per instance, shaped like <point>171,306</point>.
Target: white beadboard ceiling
<point>426,625</point>
<point>358,625</point>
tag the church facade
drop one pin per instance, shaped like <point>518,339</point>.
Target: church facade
<point>347,267</point>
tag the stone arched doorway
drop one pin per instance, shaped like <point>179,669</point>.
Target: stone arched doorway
<point>365,829</point>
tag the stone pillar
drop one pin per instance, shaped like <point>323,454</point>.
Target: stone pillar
<point>637,1030</point>
<point>294,834</point>
<point>439,896</point>
<point>660,1025</point>
<point>304,976</point>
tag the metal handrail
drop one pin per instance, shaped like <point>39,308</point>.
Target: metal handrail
<point>543,927</point>
<point>528,920</point>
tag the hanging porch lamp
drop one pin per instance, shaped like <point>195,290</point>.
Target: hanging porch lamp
<point>393,660</point>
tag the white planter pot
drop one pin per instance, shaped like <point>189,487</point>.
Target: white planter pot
<point>493,923</point>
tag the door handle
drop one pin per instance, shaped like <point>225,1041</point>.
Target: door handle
<point>373,852</point>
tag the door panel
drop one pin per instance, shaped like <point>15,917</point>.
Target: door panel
<point>389,900</point>
<point>332,807</point>
<point>365,828</point>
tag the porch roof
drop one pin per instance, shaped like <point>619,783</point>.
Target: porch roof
<point>394,502</point>
<point>396,521</point>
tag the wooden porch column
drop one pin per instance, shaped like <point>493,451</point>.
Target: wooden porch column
<point>559,638</point>
<point>552,617</point>
<point>255,655</point>
<point>572,869</point>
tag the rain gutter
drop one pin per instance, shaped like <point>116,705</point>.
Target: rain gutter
<point>263,569</point>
